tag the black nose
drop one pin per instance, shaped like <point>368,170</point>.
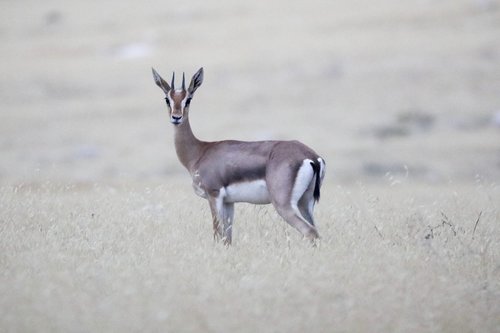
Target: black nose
<point>176,118</point>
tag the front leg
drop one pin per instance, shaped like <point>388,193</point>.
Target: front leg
<point>215,218</point>
<point>222,217</point>
<point>227,216</point>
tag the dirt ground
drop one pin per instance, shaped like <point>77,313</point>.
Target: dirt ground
<point>401,98</point>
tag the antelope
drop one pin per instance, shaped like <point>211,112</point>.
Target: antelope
<point>287,174</point>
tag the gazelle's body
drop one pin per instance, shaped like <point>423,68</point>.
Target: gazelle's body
<point>287,174</point>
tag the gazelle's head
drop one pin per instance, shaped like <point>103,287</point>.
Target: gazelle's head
<point>178,100</point>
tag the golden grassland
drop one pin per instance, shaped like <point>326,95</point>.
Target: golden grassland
<point>136,258</point>
<point>100,230</point>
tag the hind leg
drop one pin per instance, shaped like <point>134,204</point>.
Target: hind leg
<point>290,215</point>
<point>306,206</point>
<point>286,195</point>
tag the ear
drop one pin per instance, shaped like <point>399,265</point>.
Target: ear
<point>160,82</point>
<point>196,81</point>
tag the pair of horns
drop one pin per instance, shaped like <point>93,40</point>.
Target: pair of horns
<point>172,84</point>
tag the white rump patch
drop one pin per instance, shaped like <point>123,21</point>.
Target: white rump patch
<point>303,180</point>
<point>255,192</point>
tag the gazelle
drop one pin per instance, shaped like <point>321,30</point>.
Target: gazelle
<point>287,174</point>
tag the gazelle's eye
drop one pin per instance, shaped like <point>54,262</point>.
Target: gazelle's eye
<point>188,101</point>
<point>167,101</point>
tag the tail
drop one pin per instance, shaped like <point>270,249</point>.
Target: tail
<point>317,172</point>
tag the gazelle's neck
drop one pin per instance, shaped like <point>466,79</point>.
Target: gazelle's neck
<point>187,146</point>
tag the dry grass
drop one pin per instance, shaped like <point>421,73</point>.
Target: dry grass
<point>133,258</point>
<point>409,88</point>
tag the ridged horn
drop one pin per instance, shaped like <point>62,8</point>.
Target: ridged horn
<point>183,82</point>
<point>172,84</point>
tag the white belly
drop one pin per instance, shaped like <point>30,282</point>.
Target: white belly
<point>253,192</point>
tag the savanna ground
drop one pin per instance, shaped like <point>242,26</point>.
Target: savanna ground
<point>100,230</point>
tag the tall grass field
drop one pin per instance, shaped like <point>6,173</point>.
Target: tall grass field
<point>141,258</point>
<point>100,230</point>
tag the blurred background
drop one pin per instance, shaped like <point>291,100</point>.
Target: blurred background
<point>378,88</point>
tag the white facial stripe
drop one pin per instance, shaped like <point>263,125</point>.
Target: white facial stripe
<point>183,102</point>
